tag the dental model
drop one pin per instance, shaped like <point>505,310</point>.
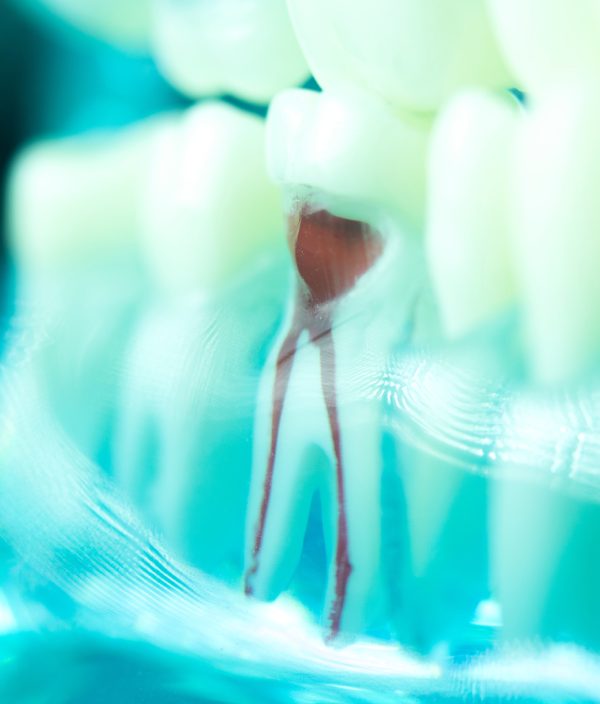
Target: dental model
<point>245,47</point>
<point>73,221</point>
<point>126,23</point>
<point>545,548</point>
<point>211,231</point>
<point>358,282</point>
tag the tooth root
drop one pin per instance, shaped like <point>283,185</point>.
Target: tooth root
<point>386,48</point>
<point>353,147</point>
<point>468,229</point>
<point>556,225</point>
<point>544,549</point>
<point>547,43</point>
<point>245,47</point>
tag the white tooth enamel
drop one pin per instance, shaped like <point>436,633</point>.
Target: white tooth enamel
<point>468,226</point>
<point>245,47</point>
<point>124,22</point>
<point>73,207</point>
<point>210,216</point>
<point>209,206</point>
<point>548,42</point>
<point>556,221</point>
<point>414,54</point>
<point>352,146</point>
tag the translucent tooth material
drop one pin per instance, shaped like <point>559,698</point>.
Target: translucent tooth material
<point>548,42</point>
<point>556,226</point>
<point>211,225</point>
<point>124,22</point>
<point>413,54</point>
<point>245,47</point>
<point>468,237</point>
<point>350,146</point>
<point>208,205</point>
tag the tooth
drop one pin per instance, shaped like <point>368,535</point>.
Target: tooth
<point>210,216</point>
<point>245,47</point>
<point>468,228</point>
<point>548,43</point>
<point>413,54</point>
<point>351,146</point>
<point>73,209</point>
<point>354,285</point>
<point>124,22</point>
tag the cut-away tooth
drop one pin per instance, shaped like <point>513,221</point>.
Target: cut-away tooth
<point>468,237</point>
<point>245,47</point>
<point>547,43</point>
<point>556,225</point>
<point>73,207</point>
<point>414,54</point>
<point>353,294</point>
<point>209,206</point>
<point>192,369</point>
<point>351,146</point>
<point>123,22</point>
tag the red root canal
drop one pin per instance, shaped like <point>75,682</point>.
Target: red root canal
<point>330,254</point>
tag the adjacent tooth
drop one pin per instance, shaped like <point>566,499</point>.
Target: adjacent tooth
<point>414,54</point>
<point>357,278</point>
<point>468,226</point>
<point>73,207</point>
<point>208,206</point>
<point>245,47</point>
<point>353,147</point>
<point>547,43</point>
<point>212,223</point>
<point>124,22</point>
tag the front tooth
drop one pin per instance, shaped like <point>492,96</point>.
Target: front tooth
<point>210,215</point>
<point>468,240</point>
<point>245,47</point>
<point>204,215</point>
<point>548,42</point>
<point>73,207</point>
<point>556,221</point>
<point>124,22</point>
<point>350,146</point>
<point>413,54</point>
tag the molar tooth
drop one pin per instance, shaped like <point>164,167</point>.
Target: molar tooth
<point>468,225</point>
<point>413,54</point>
<point>352,146</point>
<point>245,47</point>
<point>548,42</point>
<point>210,217</point>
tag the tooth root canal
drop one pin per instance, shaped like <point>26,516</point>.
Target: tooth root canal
<point>331,254</point>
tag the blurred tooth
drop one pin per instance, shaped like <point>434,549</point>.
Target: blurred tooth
<point>547,43</point>
<point>414,54</point>
<point>187,406</point>
<point>350,146</point>
<point>556,223</point>
<point>468,225</point>
<point>73,209</point>
<point>245,47</point>
<point>208,206</point>
<point>123,22</point>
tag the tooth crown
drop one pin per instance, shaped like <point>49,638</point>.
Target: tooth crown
<point>209,207</point>
<point>413,54</point>
<point>246,47</point>
<point>548,42</point>
<point>75,201</point>
<point>349,146</point>
<point>468,226</point>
